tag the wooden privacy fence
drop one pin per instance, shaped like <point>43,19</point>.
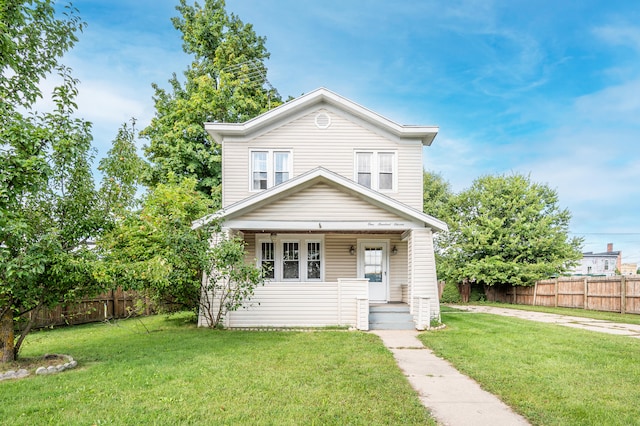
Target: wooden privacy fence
<point>111,305</point>
<point>614,294</point>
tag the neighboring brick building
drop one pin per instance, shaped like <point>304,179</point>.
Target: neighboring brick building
<point>605,263</point>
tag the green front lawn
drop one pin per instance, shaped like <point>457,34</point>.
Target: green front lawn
<point>179,374</point>
<point>551,374</point>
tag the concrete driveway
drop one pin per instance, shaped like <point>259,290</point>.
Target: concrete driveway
<point>601,326</point>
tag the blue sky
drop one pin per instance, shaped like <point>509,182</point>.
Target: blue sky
<point>546,88</point>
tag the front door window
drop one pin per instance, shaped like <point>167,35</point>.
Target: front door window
<point>373,266</point>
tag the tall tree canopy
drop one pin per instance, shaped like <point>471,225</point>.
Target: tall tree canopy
<point>225,82</point>
<point>437,195</point>
<point>47,196</point>
<point>154,250</point>
<point>122,171</point>
<point>506,230</point>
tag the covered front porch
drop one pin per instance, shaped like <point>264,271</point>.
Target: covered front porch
<point>321,279</point>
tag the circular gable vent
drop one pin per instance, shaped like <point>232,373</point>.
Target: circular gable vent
<point>323,120</point>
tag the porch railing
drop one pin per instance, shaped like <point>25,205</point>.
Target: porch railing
<point>306,304</point>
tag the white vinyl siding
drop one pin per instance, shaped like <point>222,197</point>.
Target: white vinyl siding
<point>321,304</point>
<point>332,148</point>
<point>269,168</point>
<point>321,202</point>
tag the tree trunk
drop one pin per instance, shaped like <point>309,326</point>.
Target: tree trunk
<point>7,353</point>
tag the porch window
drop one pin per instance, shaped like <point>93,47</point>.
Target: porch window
<point>313,261</point>
<point>267,260</point>
<point>269,168</point>
<point>290,261</point>
<point>291,257</point>
<point>376,170</point>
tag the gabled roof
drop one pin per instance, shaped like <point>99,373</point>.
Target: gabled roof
<point>320,96</point>
<point>311,178</point>
<point>603,254</point>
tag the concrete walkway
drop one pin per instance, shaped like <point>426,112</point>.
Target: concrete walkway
<point>601,326</point>
<point>453,398</point>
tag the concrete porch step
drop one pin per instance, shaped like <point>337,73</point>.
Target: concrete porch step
<point>390,316</point>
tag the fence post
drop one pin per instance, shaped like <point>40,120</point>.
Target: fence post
<point>535,293</point>
<point>585,302</point>
<point>623,294</point>
<point>556,295</point>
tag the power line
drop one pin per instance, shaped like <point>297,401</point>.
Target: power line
<point>604,233</point>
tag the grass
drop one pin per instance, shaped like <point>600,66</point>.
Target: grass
<point>550,374</point>
<point>179,374</point>
<point>601,315</point>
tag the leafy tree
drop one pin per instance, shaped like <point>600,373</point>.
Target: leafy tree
<point>507,230</point>
<point>231,282</point>
<point>47,198</point>
<point>437,195</point>
<point>156,251</point>
<point>225,82</point>
<point>44,259</point>
<point>122,170</point>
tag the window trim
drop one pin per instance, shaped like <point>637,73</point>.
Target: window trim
<point>375,168</point>
<point>303,257</point>
<point>271,166</point>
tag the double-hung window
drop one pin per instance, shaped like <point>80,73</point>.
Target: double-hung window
<point>267,259</point>
<point>291,258</point>
<point>269,168</point>
<point>376,169</point>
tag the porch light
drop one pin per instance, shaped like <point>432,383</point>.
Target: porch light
<point>352,251</point>
<point>394,251</point>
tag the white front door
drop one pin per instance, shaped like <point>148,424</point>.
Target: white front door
<point>373,265</point>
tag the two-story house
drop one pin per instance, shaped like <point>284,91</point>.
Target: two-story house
<point>604,263</point>
<point>329,196</point>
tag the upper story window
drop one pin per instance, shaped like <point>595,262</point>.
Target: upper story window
<point>376,170</point>
<point>269,168</point>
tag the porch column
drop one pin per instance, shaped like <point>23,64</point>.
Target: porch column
<point>423,282</point>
